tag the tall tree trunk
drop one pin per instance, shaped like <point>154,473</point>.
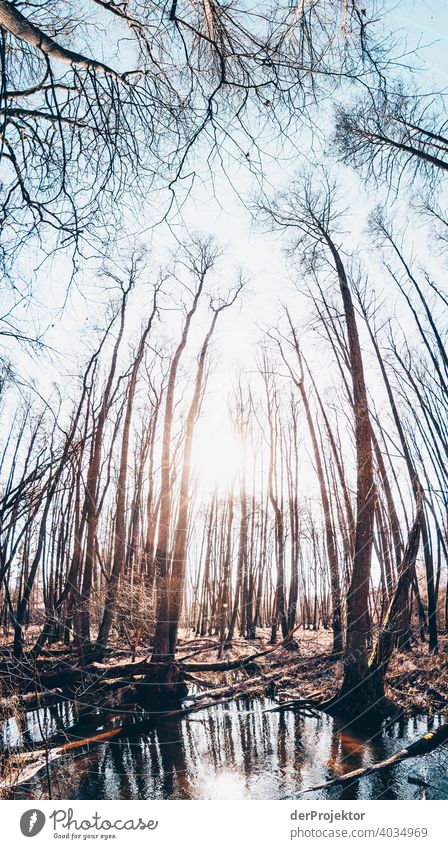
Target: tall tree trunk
<point>161,644</point>
<point>357,692</point>
<point>91,494</point>
<point>120,534</point>
<point>332,553</point>
<point>177,581</point>
<point>387,637</point>
<point>416,488</point>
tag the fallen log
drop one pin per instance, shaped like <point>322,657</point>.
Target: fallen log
<point>30,701</point>
<point>226,665</point>
<point>27,764</point>
<point>200,681</point>
<point>221,665</point>
<point>23,767</point>
<point>423,746</point>
<point>250,687</point>
<point>105,675</point>
<point>200,650</point>
<point>25,676</point>
<point>310,701</point>
<point>70,676</point>
<point>91,699</point>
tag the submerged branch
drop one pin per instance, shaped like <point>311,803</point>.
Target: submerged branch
<point>425,744</point>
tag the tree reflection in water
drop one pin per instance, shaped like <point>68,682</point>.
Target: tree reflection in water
<point>236,751</point>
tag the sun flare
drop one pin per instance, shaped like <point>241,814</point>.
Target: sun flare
<point>218,455</point>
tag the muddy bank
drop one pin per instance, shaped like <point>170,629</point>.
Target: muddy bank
<point>416,681</point>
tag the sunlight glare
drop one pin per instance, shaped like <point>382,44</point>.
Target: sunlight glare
<point>218,455</point>
<point>224,785</point>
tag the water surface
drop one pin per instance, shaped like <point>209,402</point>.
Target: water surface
<point>236,751</point>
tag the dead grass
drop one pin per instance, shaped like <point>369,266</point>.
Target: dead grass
<point>416,681</point>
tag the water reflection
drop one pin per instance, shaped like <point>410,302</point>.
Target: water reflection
<point>235,751</point>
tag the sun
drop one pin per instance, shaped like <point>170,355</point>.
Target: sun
<point>218,455</point>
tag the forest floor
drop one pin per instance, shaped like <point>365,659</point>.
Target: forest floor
<point>416,681</point>
<point>108,696</point>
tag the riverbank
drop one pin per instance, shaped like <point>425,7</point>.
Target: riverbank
<point>416,681</point>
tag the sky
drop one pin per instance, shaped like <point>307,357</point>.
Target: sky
<point>70,317</point>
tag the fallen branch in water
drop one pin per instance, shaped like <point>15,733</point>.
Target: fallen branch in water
<point>425,744</point>
<point>112,675</point>
<point>311,701</point>
<point>30,701</point>
<point>23,766</point>
<point>200,682</point>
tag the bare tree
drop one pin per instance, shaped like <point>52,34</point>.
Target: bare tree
<point>119,556</point>
<point>104,103</point>
<point>394,137</point>
<point>312,216</point>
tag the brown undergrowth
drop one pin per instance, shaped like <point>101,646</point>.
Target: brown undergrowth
<point>416,680</point>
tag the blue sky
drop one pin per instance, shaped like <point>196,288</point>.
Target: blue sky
<point>260,254</point>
